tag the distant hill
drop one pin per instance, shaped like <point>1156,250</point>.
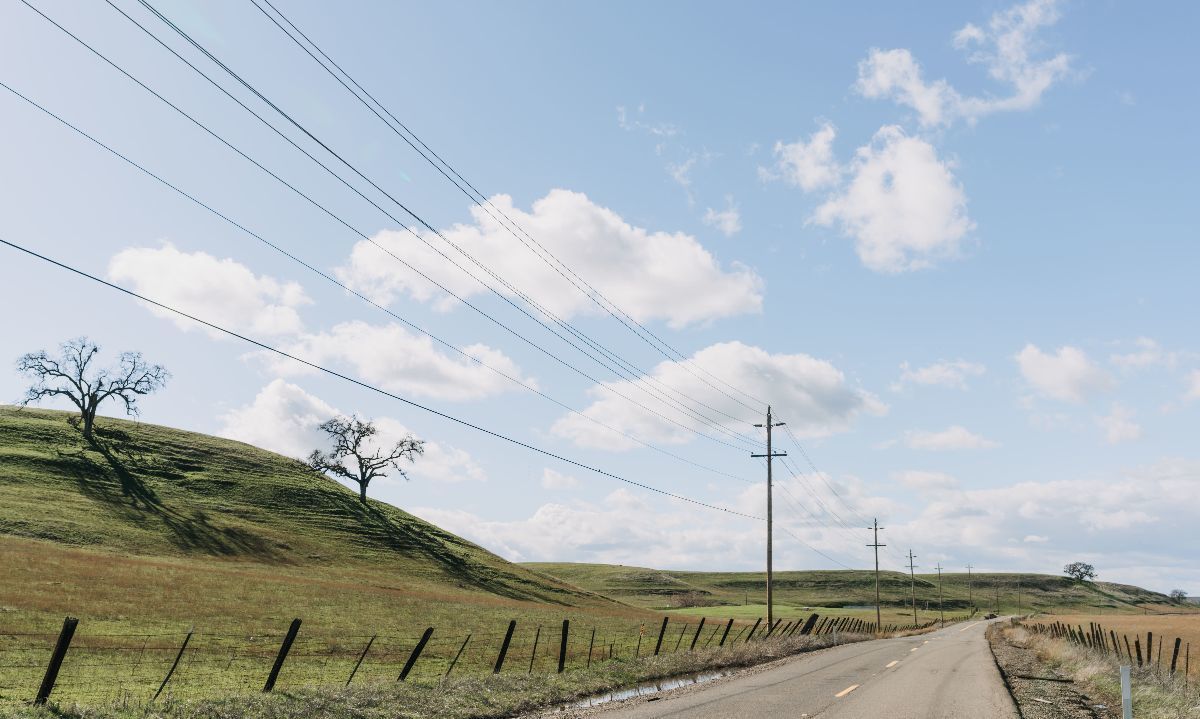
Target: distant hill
<point>662,589</point>
<point>192,505</point>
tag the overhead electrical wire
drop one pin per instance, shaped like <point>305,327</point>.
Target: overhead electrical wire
<point>368,386</point>
<point>606,386</point>
<point>636,375</point>
<point>191,197</point>
<point>482,201</point>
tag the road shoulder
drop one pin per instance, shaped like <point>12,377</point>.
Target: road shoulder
<point>1038,690</point>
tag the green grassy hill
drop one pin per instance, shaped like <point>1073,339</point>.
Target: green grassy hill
<point>664,589</point>
<point>152,524</point>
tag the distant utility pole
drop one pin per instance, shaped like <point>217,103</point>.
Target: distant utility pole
<point>1018,596</point>
<point>941,614</point>
<point>970,592</point>
<point>913,583</point>
<point>875,526</point>
<point>770,518</point>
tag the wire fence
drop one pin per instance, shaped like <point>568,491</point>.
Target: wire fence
<point>104,668</point>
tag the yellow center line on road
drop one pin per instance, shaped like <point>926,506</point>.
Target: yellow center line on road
<point>845,691</point>
<point>967,627</point>
<point>892,664</point>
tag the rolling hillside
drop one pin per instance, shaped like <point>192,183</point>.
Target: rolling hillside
<point>660,589</point>
<point>153,524</point>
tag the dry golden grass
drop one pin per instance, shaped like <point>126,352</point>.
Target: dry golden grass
<point>1166,627</point>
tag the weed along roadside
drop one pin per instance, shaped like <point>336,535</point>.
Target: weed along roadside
<point>109,674</point>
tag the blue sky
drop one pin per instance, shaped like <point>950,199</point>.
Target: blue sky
<point>952,247</point>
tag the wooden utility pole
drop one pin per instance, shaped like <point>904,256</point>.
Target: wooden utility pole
<point>970,588</point>
<point>875,526</point>
<point>941,614</point>
<point>913,583</point>
<point>770,511</point>
<point>1018,596</point>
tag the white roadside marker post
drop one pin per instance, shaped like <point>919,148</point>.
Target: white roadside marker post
<point>1126,694</point>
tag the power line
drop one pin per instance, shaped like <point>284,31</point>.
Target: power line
<point>340,220</point>
<point>355,293</point>
<point>636,375</point>
<point>373,388</point>
<point>486,204</point>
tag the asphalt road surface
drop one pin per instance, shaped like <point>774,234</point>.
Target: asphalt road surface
<point>948,674</point>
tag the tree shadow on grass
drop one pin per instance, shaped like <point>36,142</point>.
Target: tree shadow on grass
<point>116,483</point>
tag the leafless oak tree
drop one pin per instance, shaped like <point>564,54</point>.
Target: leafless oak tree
<point>71,375</point>
<point>352,457</point>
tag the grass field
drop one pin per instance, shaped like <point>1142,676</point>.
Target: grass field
<point>1166,627</point>
<point>659,589</point>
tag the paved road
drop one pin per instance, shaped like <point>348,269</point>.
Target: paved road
<point>948,674</point>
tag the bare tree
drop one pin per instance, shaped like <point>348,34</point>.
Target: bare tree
<point>71,375</point>
<point>1080,571</point>
<point>353,458</point>
<point>1178,595</point>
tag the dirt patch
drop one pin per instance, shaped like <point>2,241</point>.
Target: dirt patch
<point>1040,691</point>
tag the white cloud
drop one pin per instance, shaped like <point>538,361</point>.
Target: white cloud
<point>1035,539</point>
<point>284,418</point>
<point>810,394</point>
<point>1005,47</point>
<point>927,481</point>
<point>558,480</point>
<point>1193,383</point>
<point>650,275</point>
<point>951,438</point>
<point>727,221</point>
<point>1118,425</point>
<point>1148,354</point>
<point>903,206</point>
<point>221,291</point>
<point>1067,375</point>
<point>404,362</point>
<point>941,374</point>
<point>807,165</point>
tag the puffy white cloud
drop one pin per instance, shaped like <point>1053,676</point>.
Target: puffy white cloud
<point>1067,375</point>
<point>902,205</point>
<point>1005,47</point>
<point>1035,539</point>
<point>895,74</point>
<point>808,165</point>
<point>1193,386</point>
<point>404,362</point>
<point>1148,353</point>
<point>1118,425</point>
<point>650,275</point>
<point>942,374</point>
<point>558,480</point>
<point>727,221</point>
<point>927,481</point>
<point>951,438</point>
<point>285,419</point>
<point>221,291</point>
<point>811,395</point>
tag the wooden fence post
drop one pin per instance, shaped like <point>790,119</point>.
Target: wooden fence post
<point>456,656</point>
<point>1137,644</point>
<point>361,657</point>
<point>693,647</point>
<point>533,654</point>
<point>809,624</point>
<point>562,646</point>
<point>661,632</point>
<point>174,664</point>
<point>1128,651</point>
<point>56,659</point>
<point>592,643</point>
<point>416,653</point>
<point>726,633</point>
<point>1175,655</point>
<point>751,634</point>
<point>283,652</point>
<point>504,647</point>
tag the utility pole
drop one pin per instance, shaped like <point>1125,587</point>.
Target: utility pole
<point>875,526</point>
<point>970,589</point>
<point>941,613</point>
<point>913,583</point>
<point>770,518</point>
<point>1018,596</point>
